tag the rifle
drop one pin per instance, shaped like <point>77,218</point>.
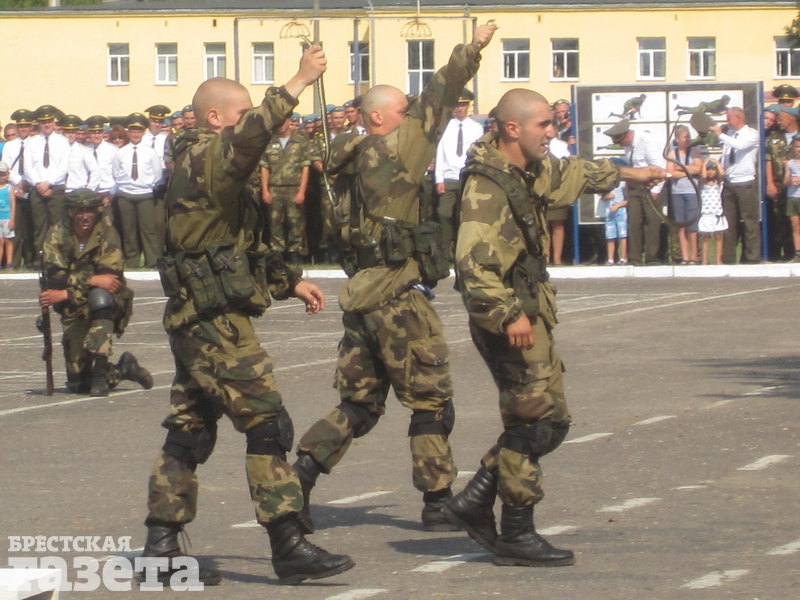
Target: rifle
<point>43,324</point>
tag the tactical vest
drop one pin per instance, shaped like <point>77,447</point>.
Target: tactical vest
<point>530,267</point>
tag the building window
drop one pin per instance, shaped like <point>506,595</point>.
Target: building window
<point>787,59</point>
<point>565,58</point>
<point>516,60</point>
<point>420,64</point>
<point>118,64</point>
<point>263,62</point>
<point>167,64</point>
<point>215,60</point>
<point>362,64</point>
<point>652,58</point>
<point>702,58</point>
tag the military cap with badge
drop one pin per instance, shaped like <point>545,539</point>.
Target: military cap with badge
<point>70,122</point>
<point>158,112</point>
<point>23,116</point>
<point>136,120</point>
<point>83,198</point>
<point>96,123</point>
<point>786,94</point>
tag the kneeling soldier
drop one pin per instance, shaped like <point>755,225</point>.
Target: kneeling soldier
<point>84,283</point>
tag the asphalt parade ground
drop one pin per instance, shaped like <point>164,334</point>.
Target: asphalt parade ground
<point>679,478</point>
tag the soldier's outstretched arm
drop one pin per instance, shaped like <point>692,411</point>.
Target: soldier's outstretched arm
<point>312,66</point>
<point>643,175</point>
<point>483,35</point>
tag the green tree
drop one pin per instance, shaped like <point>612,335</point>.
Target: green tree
<point>793,31</point>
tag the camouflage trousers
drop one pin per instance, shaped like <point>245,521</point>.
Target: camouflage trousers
<point>82,340</point>
<point>531,388</point>
<point>287,221</point>
<point>400,345</point>
<point>220,368</point>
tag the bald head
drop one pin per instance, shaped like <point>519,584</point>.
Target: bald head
<point>383,108</point>
<point>518,105</point>
<point>219,101</point>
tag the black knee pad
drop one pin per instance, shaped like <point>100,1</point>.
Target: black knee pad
<point>425,422</point>
<point>535,440</point>
<point>274,437</point>
<point>191,448</point>
<point>100,299</point>
<point>361,420</point>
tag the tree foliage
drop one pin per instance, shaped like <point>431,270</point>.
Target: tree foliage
<point>793,31</point>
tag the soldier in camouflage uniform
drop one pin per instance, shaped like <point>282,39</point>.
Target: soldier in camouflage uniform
<point>392,334</point>
<point>778,151</point>
<point>217,275</point>
<point>284,170</point>
<point>84,283</point>
<point>509,182</point>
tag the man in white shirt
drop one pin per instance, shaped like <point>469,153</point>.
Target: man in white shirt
<point>740,146</point>
<point>451,154</point>
<point>14,156</point>
<point>644,223</point>
<point>46,166</point>
<point>137,170</point>
<point>83,172</point>
<point>157,137</point>
<point>103,152</point>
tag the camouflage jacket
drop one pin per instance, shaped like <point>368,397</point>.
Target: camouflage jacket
<point>207,201</point>
<point>68,267</point>
<point>390,169</point>
<point>489,240</point>
<point>778,151</point>
<point>286,164</point>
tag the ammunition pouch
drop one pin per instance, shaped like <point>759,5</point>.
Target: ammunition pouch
<point>429,252</point>
<point>233,270</point>
<point>168,273</point>
<point>196,274</point>
<point>396,243</point>
<point>524,278</point>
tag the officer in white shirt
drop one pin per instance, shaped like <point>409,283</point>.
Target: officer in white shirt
<point>740,146</point>
<point>14,156</point>
<point>46,166</point>
<point>157,137</point>
<point>83,169</point>
<point>451,155</point>
<point>137,171</point>
<point>644,223</point>
<point>103,152</point>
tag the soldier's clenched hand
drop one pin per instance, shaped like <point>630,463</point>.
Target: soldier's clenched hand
<point>106,281</point>
<point>312,296</point>
<point>520,333</point>
<point>483,34</point>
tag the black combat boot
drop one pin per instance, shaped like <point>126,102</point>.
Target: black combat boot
<point>129,368</point>
<point>307,470</point>
<point>294,558</point>
<point>162,542</point>
<point>99,376</point>
<point>520,545</point>
<point>432,517</point>
<point>472,509</point>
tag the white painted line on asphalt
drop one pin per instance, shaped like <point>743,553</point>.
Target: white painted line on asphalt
<point>763,390</point>
<point>786,549</point>
<point>652,420</point>
<point>558,529</point>
<point>765,462</point>
<point>715,579</point>
<point>465,474</point>
<point>246,525</point>
<point>720,403</point>
<point>357,594</point>
<point>441,565</point>
<point>697,486</point>
<point>354,499</point>
<point>588,438</point>
<point>628,504</point>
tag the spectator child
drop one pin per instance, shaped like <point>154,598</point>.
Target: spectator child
<point>712,222</point>
<point>7,207</point>
<point>792,183</point>
<point>617,224</point>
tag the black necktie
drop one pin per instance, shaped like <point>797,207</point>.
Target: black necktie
<point>732,155</point>
<point>94,151</point>
<point>134,165</point>
<point>460,140</point>
<point>21,158</point>
<point>46,159</point>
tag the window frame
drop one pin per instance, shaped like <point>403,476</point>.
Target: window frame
<point>165,58</point>
<point>701,53</point>
<point>565,54</point>
<point>216,59</point>
<point>421,72</point>
<point>259,56</point>
<point>650,53</point>
<point>363,54</point>
<point>122,63</point>
<point>515,56</point>
<point>790,61</point>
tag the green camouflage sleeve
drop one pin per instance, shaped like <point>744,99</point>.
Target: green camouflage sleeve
<point>54,259</point>
<point>427,118</point>
<point>567,179</point>
<point>343,149</point>
<point>489,243</point>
